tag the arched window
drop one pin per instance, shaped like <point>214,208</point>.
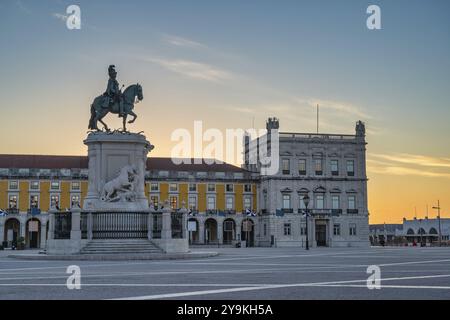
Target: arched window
<point>433,231</point>
<point>410,231</point>
<point>421,231</point>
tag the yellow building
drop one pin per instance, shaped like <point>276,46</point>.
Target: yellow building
<point>31,184</point>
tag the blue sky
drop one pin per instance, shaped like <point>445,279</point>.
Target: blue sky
<point>230,63</point>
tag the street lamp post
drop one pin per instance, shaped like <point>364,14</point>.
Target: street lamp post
<point>439,220</point>
<point>306,202</point>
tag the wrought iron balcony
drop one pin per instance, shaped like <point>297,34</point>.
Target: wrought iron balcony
<point>352,211</point>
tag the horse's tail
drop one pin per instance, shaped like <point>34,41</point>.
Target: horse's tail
<point>91,120</point>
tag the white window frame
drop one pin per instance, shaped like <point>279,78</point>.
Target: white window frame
<point>208,203</point>
<point>38,186</point>
<point>229,205</point>
<point>283,200</point>
<point>74,189</point>
<point>38,200</point>
<point>13,189</point>
<point>333,197</point>
<point>211,184</point>
<point>316,201</point>
<point>352,196</point>
<point>173,184</point>
<point>249,199</point>
<point>13,194</point>
<point>59,185</point>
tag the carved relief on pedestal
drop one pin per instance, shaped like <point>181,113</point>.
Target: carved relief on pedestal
<point>123,188</point>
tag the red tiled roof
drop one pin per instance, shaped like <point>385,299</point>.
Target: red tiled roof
<point>81,162</point>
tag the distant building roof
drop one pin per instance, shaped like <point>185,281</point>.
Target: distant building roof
<point>20,161</point>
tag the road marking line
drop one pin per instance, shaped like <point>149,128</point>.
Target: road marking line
<point>265,287</point>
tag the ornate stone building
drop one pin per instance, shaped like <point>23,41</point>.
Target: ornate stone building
<point>227,204</point>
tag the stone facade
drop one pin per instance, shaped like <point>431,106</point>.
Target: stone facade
<point>331,170</point>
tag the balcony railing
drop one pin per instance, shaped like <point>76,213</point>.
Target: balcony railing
<point>352,211</point>
<point>12,211</point>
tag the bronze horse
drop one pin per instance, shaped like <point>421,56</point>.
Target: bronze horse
<point>98,112</point>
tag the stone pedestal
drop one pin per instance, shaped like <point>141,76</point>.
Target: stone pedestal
<point>109,154</point>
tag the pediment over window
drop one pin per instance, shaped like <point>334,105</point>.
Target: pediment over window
<point>334,155</point>
<point>318,155</point>
<point>320,190</point>
<point>349,155</point>
<point>301,154</point>
<point>335,190</point>
<point>286,190</point>
<point>303,190</point>
<point>285,153</point>
<point>351,191</point>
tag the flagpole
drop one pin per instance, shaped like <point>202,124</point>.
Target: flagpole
<point>317,118</point>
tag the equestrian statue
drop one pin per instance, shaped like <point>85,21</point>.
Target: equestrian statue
<point>116,102</point>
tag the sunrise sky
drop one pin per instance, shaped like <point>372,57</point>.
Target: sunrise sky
<point>234,63</point>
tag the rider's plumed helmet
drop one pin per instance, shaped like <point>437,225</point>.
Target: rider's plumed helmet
<point>112,70</point>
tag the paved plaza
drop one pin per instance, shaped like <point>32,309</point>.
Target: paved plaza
<point>240,273</point>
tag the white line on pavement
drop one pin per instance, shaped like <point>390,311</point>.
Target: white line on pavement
<point>264,287</point>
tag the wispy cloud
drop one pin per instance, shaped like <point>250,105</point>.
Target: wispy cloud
<point>182,42</point>
<point>192,69</point>
<point>404,164</point>
<point>60,16</point>
<point>335,105</point>
<point>404,171</point>
<point>415,159</point>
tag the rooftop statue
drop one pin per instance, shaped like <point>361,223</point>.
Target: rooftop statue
<point>114,101</point>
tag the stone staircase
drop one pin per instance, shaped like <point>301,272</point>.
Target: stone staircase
<point>121,247</point>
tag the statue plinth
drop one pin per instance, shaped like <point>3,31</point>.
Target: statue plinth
<point>117,164</point>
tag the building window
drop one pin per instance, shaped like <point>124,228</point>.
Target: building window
<point>173,187</point>
<point>173,202</point>
<point>192,187</point>
<point>154,186</point>
<point>247,188</point>
<point>287,229</point>
<point>34,185</point>
<point>211,203</point>
<point>75,201</point>
<point>34,201</point>
<point>303,229</point>
<point>318,167</point>
<point>13,202</point>
<point>301,204</point>
<point>302,167</point>
<point>350,168</point>
<point>211,187</point>
<point>286,201</point>
<point>229,187</point>
<point>229,203</point>
<point>154,200</point>
<point>265,229</point>
<point>76,186</point>
<point>337,229</point>
<point>351,202</point>
<point>334,167</point>
<point>54,185</point>
<point>352,229</point>
<point>319,201</point>
<point>247,203</point>
<point>335,202</point>
<point>192,203</point>
<point>54,201</point>
<point>14,185</point>
<point>285,166</point>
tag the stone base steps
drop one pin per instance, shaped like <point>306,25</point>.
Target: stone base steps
<point>121,246</point>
